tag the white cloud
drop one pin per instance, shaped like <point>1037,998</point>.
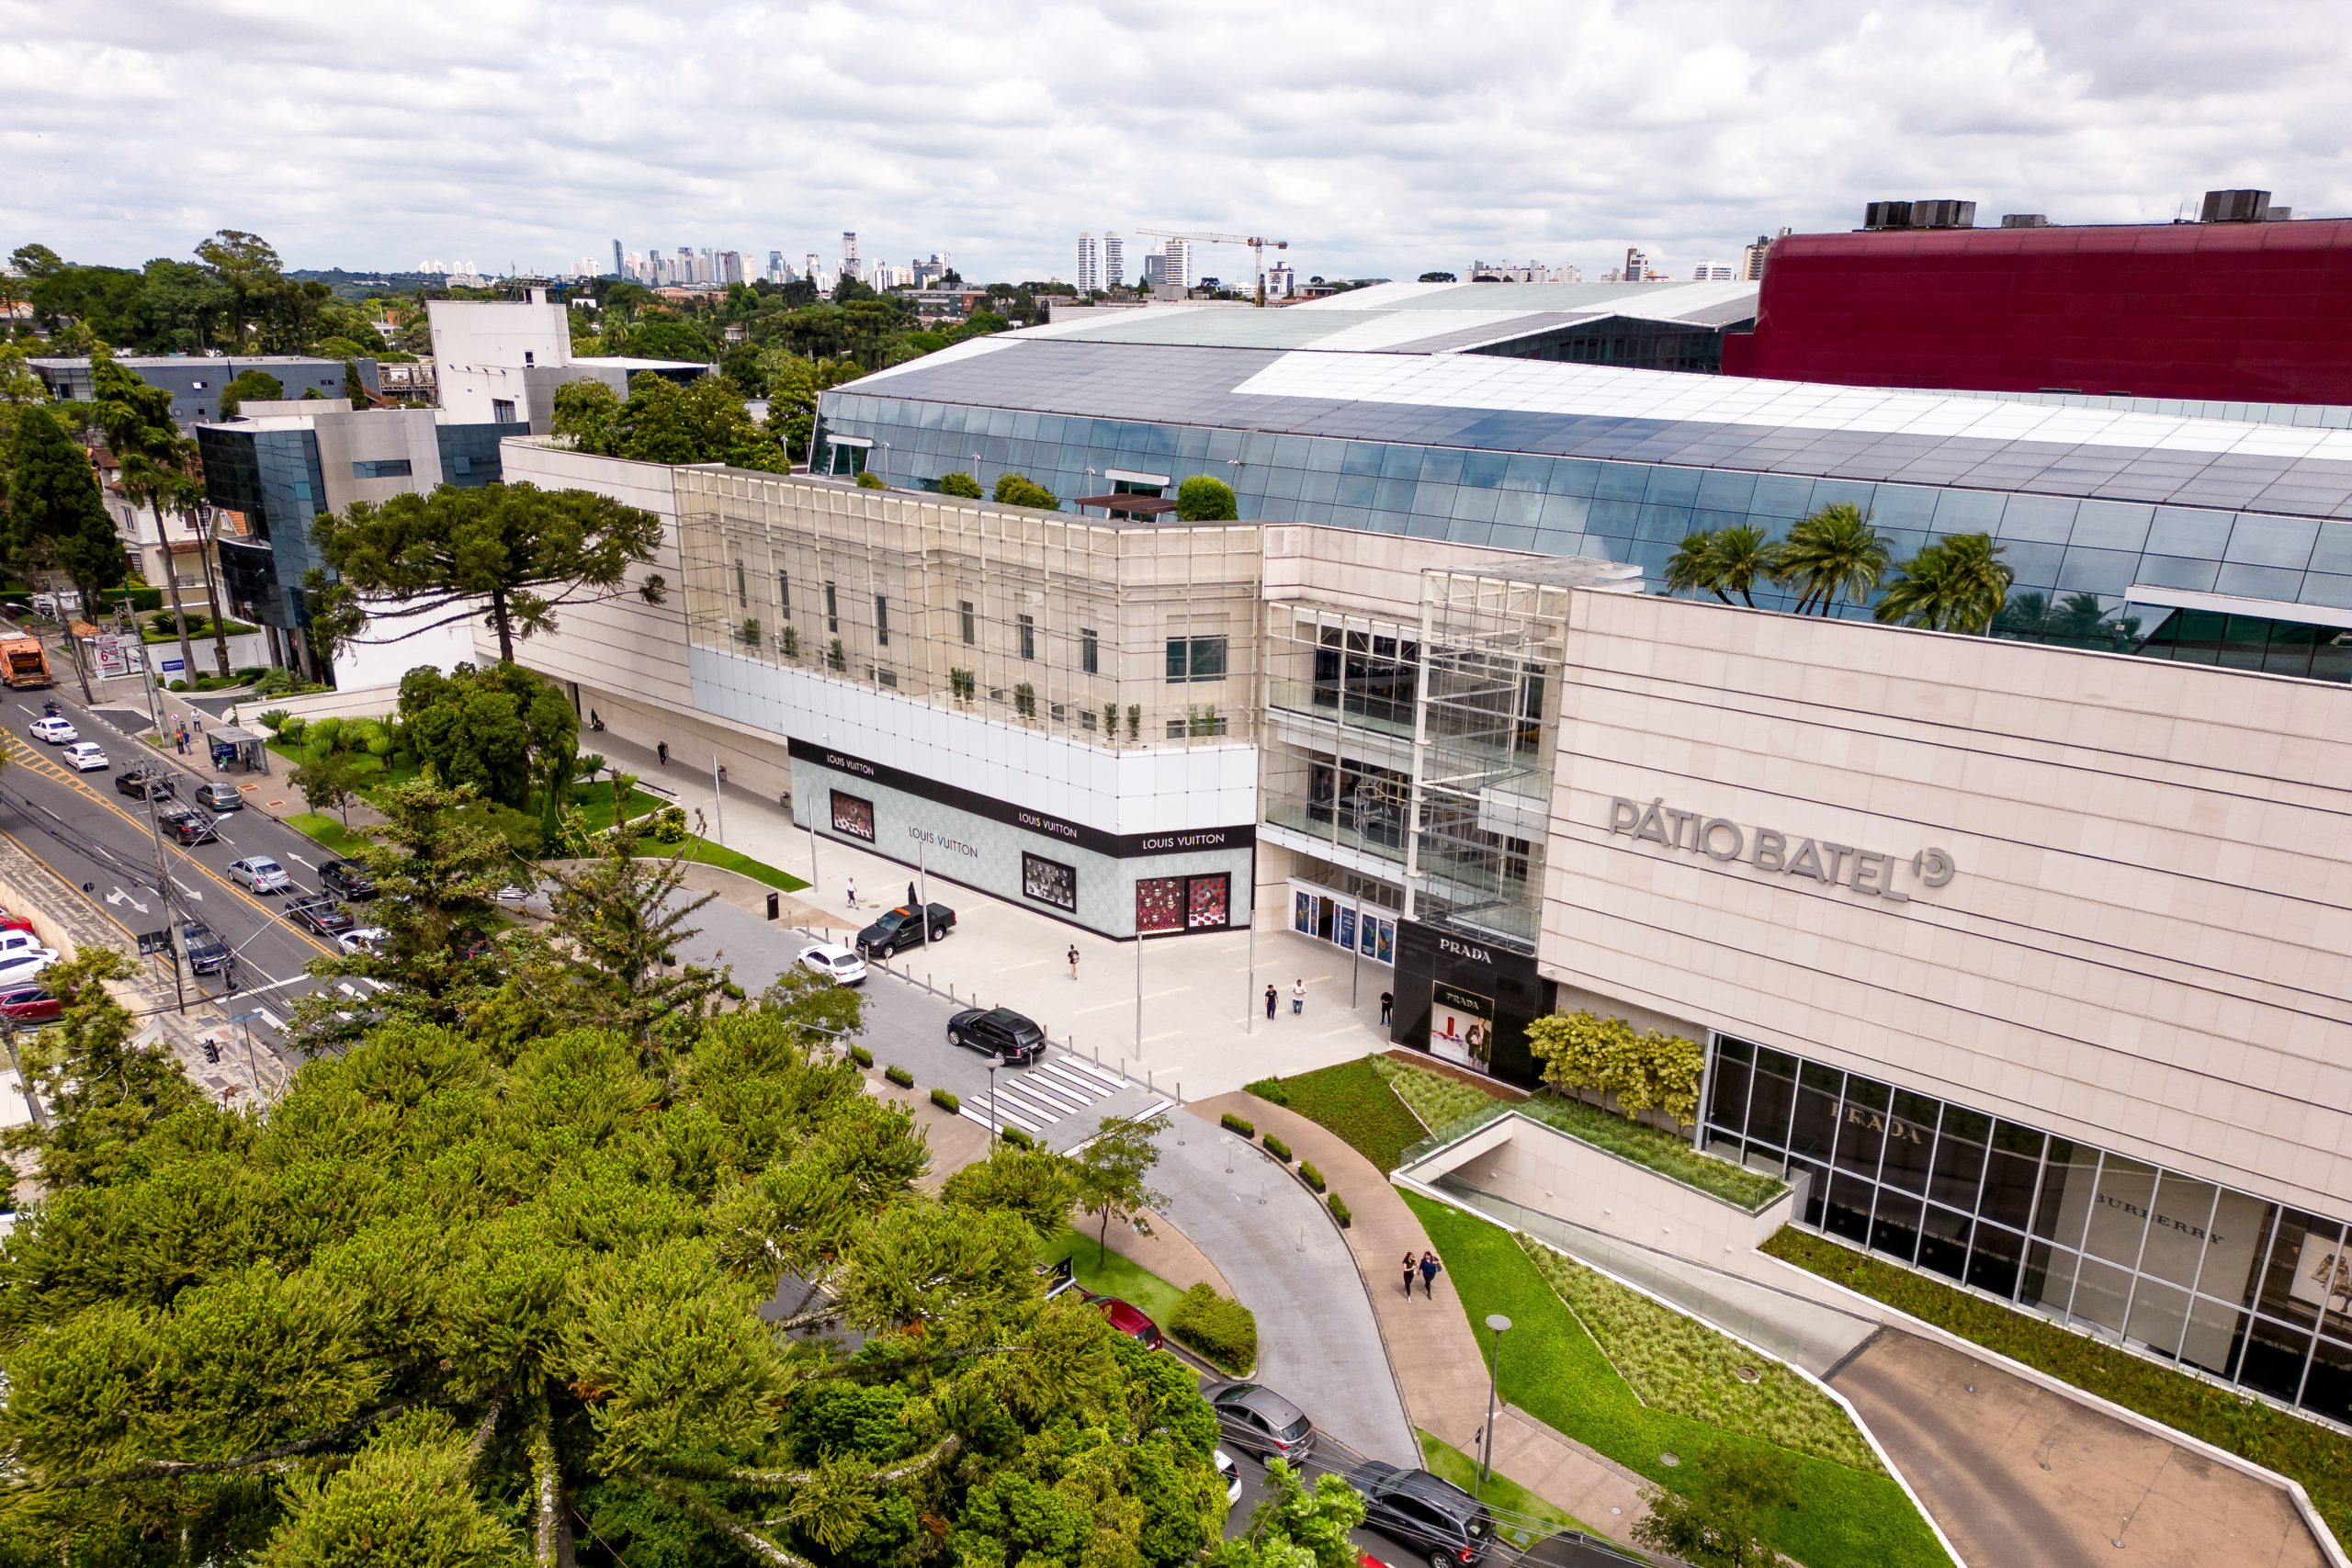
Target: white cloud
<point>1379,137</point>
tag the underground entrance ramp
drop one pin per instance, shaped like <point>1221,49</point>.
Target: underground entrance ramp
<point>2019,1477</point>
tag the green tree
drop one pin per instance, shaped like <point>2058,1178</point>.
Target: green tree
<point>512,554</point>
<point>103,1093</point>
<point>1956,584</point>
<point>1692,568</point>
<point>248,268</point>
<point>868,480</point>
<point>1205,498</point>
<point>249,386</point>
<point>617,921</point>
<point>499,730</point>
<point>703,422</point>
<point>1721,1524</point>
<point>1020,489</point>
<point>1726,561</point>
<point>159,470</point>
<point>57,521</point>
<point>1645,1070</point>
<point>1035,1183</point>
<point>667,337</point>
<point>960,484</point>
<point>795,383</point>
<point>328,783</point>
<point>585,413</point>
<point>1834,552</point>
<point>1294,1527</point>
<point>1111,1172</point>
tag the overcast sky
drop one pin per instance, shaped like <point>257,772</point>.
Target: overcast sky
<point>1380,139</point>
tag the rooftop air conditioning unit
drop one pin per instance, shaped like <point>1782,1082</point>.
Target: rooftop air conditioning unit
<point>2234,206</point>
<point>2024,220</point>
<point>1886,215</point>
<point>1943,213</point>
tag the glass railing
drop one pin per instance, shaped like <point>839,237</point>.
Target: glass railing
<point>1384,838</point>
<point>1382,715</point>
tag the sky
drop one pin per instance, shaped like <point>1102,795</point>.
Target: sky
<point>1379,139</point>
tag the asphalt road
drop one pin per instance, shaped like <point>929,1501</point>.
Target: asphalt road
<point>100,840</point>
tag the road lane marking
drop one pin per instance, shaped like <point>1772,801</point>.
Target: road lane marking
<point>1019,1098</point>
<point>1067,1100</point>
<point>1110,1081</point>
<point>272,1020</point>
<point>996,1127</point>
<point>1061,1074</point>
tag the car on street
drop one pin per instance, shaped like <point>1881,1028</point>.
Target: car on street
<point>1230,1473</point>
<point>1011,1037</point>
<point>321,914</point>
<point>185,825</point>
<point>259,873</point>
<point>150,783</point>
<point>220,797</point>
<point>85,756</point>
<point>903,927</point>
<point>22,957</point>
<point>362,939</point>
<point>1255,1419</point>
<point>9,923</point>
<point>55,730</point>
<point>203,948</point>
<point>25,1006</point>
<point>1426,1512</point>
<point>346,879</point>
<point>835,963</point>
<point>1124,1317</point>
<point>58,601</point>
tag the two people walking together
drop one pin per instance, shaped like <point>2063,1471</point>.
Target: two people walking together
<point>1428,1267</point>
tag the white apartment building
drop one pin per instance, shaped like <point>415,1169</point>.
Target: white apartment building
<point>500,361</point>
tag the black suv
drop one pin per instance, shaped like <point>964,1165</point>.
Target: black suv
<point>1427,1512</point>
<point>187,825</point>
<point>150,783</point>
<point>997,1032</point>
<point>902,927</point>
<point>347,879</point>
<point>204,950</point>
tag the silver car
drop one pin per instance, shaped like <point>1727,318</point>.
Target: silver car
<point>259,873</point>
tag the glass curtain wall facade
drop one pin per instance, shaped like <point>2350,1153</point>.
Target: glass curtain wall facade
<point>2222,1282</point>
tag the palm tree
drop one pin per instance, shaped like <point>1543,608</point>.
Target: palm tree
<point>1742,554</point>
<point>2024,617</point>
<point>1954,585</point>
<point>1692,568</point>
<point>1833,552</point>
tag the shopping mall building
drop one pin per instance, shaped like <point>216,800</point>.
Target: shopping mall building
<point>2025,961</point>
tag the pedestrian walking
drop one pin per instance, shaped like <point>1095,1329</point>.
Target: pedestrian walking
<point>1298,997</point>
<point>198,721</point>
<point>662,752</point>
<point>1411,1263</point>
<point>1073,961</point>
<point>183,742</point>
<point>1387,1006</point>
<point>913,902</point>
<point>852,892</point>
<point>1430,1268</point>
<point>1270,1003</point>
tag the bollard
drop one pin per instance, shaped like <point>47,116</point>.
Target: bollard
<point>775,905</point>
<point>1149,1082</point>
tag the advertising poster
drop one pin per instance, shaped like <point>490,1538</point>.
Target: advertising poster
<point>1462,1025</point>
<point>2322,1274</point>
<point>853,816</point>
<point>1050,881</point>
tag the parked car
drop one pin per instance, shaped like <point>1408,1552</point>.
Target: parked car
<point>346,879</point>
<point>186,825</point>
<point>9,923</point>
<point>22,957</point>
<point>903,927</point>
<point>364,939</point>
<point>203,948</point>
<point>1257,1420</point>
<point>1010,1037</point>
<point>1128,1318</point>
<point>259,873</point>
<point>55,730</point>
<point>85,756</point>
<point>220,797</point>
<point>834,961</point>
<point>1230,1473</point>
<point>59,602</point>
<point>1426,1512</point>
<point>321,914</point>
<point>25,1006</point>
<point>150,783</point>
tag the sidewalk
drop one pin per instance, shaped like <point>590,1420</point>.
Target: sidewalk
<point>1202,1025</point>
<point>1430,1344</point>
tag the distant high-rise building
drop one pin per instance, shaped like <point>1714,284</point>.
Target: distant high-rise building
<point>1751,260</point>
<point>1711,272</point>
<point>1155,270</point>
<point>730,267</point>
<point>1089,264</point>
<point>849,253</point>
<point>1281,282</point>
<point>1637,265</point>
<point>815,270</point>
<point>777,271</point>
<point>1176,258</point>
<point>620,267</point>
<point>1115,261</point>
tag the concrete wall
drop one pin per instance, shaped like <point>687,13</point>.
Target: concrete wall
<point>2143,944</point>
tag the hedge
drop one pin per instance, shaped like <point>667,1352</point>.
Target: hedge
<point>1277,1148</point>
<point>947,1100</point>
<point>1312,1176</point>
<point>861,1056</point>
<point>1221,1330</point>
<point>1339,1211</point>
<point>900,1076</point>
<point>1233,1124</point>
<point>1016,1137</point>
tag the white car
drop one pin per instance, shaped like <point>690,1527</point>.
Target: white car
<point>840,964</point>
<point>22,957</point>
<point>56,731</point>
<point>363,939</point>
<point>86,757</point>
<point>1230,1473</point>
<point>259,873</point>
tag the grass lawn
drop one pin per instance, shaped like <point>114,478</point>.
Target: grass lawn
<point>2318,1458</point>
<point>1117,1276</point>
<point>1554,1369</point>
<point>1353,1100</point>
<point>1520,1517</point>
<point>327,830</point>
<point>705,852</point>
<point>595,800</point>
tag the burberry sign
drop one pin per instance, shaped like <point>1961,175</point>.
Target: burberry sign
<point>1831,864</point>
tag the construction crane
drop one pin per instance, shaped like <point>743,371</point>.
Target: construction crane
<point>1257,249</point>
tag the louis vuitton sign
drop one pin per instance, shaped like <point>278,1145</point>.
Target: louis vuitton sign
<point>1777,853</point>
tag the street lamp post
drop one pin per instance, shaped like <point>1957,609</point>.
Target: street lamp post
<point>996,1129</point>
<point>1500,1326</point>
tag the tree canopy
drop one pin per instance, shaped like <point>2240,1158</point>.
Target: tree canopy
<point>499,730</point>
<point>662,421</point>
<point>513,553</point>
<point>1955,585</point>
<point>1020,489</point>
<point>249,386</point>
<point>1205,498</point>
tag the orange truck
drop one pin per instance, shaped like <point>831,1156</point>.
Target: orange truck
<point>24,665</point>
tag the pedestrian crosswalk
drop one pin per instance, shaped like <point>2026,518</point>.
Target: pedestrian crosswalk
<point>1034,1098</point>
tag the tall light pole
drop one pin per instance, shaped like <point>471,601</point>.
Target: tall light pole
<point>1500,1326</point>
<point>996,1128</point>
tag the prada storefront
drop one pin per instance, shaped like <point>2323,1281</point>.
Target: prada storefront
<point>2250,1293</point>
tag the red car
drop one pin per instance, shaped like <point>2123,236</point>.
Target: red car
<point>1126,1318</point>
<point>24,1006</point>
<point>9,923</point>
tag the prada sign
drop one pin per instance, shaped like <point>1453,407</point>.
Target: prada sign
<point>1831,864</point>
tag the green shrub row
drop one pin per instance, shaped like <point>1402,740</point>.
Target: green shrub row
<point>1277,1148</point>
<point>1233,1124</point>
<point>1016,1137</point>
<point>1311,1176</point>
<point>861,1056</point>
<point>947,1100</point>
<point>1339,1211</point>
<point>1221,1330</point>
<point>900,1076</point>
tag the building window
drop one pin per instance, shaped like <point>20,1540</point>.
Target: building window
<point>881,620</point>
<point>502,410</point>
<point>530,358</point>
<point>1049,882</point>
<point>461,464</point>
<point>199,385</point>
<point>967,621</point>
<point>854,816</point>
<point>783,591</point>
<point>833,610</point>
<point>1028,630</point>
<point>381,469</point>
<point>1195,658</point>
<point>1086,718</point>
<point>1089,651</point>
<point>743,589</point>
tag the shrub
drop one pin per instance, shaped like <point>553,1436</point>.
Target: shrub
<point>292,730</point>
<point>1311,1176</point>
<point>900,1076</point>
<point>1205,498</point>
<point>274,720</point>
<point>1233,1124</point>
<point>1223,1330</point>
<point>959,483</point>
<point>275,683</point>
<point>1016,1137</point>
<point>1020,489</point>
<point>835,659</point>
<point>1652,1070</point>
<point>788,642</point>
<point>1025,700</point>
<point>861,1056</point>
<point>868,480</point>
<point>947,1100</point>
<point>670,825</point>
<point>179,685</point>
<point>1339,1211</point>
<point>749,631</point>
<point>1277,1148</point>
